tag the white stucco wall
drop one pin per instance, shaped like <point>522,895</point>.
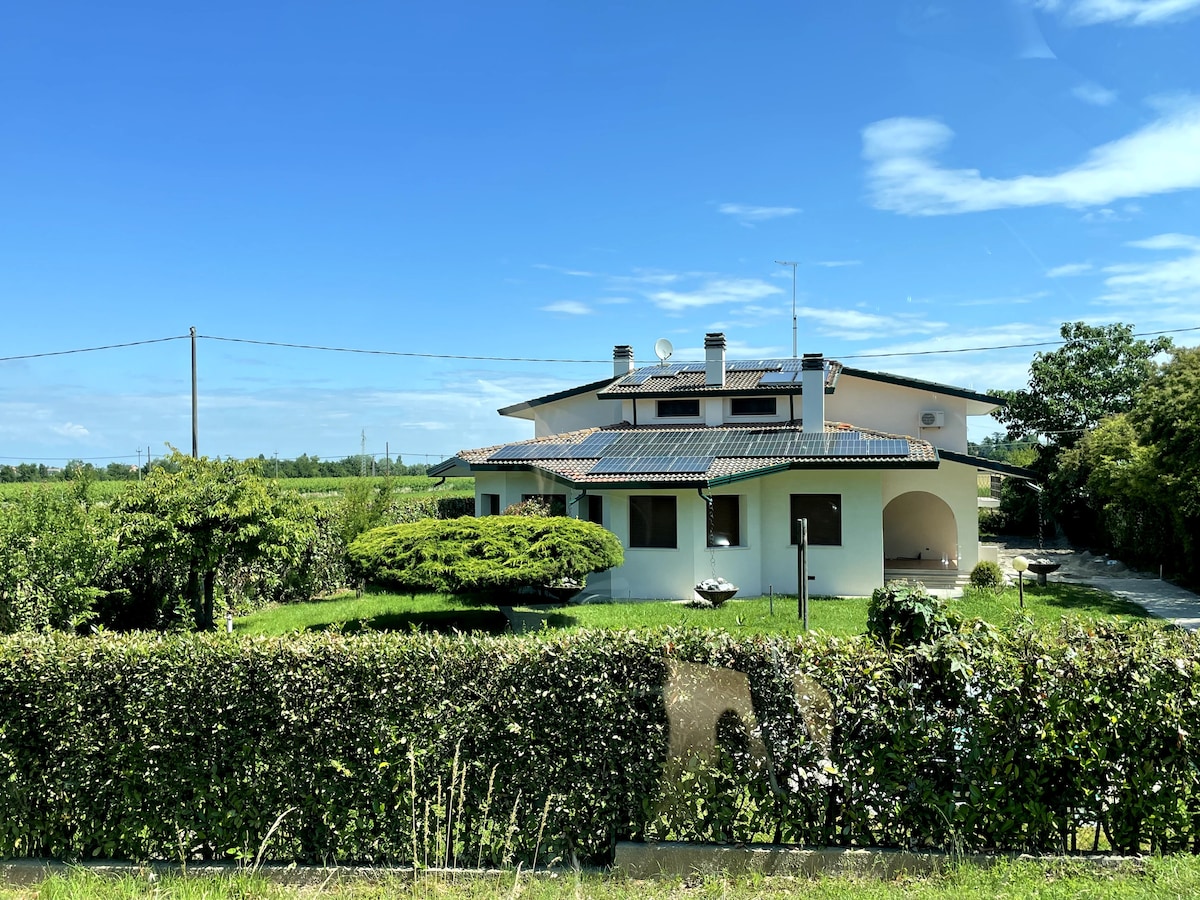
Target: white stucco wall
<point>896,410</point>
<point>573,413</point>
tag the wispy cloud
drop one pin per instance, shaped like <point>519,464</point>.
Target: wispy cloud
<point>714,292</point>
<point>1146,283</point>
<point>568,308</point>
<point>904,175</point>
<point>562,270</point>
<point>1066,271</point>
<point>837,263</point>
<point>1093,94</point>
<point>752,215</point>
<point>855,325</point>
<point>70,430</point>
<point>1004,301</point>
<point>1121,12</point>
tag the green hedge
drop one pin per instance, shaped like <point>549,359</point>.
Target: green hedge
<point>388,748</point>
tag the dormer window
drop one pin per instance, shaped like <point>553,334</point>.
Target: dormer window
<point>752,406</point>
<point>678,409</point>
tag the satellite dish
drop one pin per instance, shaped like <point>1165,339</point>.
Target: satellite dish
<point>663,349</point>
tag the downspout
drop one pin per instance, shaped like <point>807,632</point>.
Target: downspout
<point>635,412</point>
<point>440,482</point>
<point>582,494</point>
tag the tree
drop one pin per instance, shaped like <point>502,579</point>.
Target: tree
<point>179,529</point>
<point>1096,373</point>
<point>493,553</point>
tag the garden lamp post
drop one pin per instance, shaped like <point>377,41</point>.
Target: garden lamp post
<point>1020,564</point>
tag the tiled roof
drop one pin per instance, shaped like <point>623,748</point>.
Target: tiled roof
<point>580,470</point>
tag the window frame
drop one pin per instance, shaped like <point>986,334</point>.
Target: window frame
<point>556,502</point>
<point>642,536</point>
<point>734,401</point>
<point>658,408</point>
<point>820,536</point>
<point>486,501</point>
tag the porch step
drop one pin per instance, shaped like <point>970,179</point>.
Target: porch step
<point>938,579</point>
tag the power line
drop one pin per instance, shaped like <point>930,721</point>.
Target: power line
<point>532,359</point>
<point>178,337</point>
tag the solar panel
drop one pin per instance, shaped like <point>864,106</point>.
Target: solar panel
<point>651,465</point>
<point>754,365</point>
<point>784,377</point>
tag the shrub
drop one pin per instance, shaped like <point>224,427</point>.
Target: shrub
<point>493,553</point>
<point>903,613</point>
<point>987,575</point>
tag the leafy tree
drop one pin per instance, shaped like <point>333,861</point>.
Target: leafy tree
<point>1096,373</point>
<point>179,529</point>
<point>493,553</point>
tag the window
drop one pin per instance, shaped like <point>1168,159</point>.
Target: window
<point>595,509</point>
<point>489,504</point>
<point>725,521</point>
<point>652,522</point>
<point>556,502</point>
<point>824,514</point>
<point>752,406</point>
<point>670,409</point>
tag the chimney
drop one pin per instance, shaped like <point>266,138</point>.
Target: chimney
<point>812,388</point>
<point>714,359</point>
<point>622,360</point>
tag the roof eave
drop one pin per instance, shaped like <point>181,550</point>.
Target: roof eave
<point>516,409</point>
<point>989,465</point>
<point>985,402</point>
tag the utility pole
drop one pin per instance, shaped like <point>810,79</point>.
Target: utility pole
<point>802,572</point>
<point>362,455</point>
<point>784,262</point>
<point>195,417</point>
<point>139,452</point>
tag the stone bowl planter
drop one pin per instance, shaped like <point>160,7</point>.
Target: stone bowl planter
<point>1042,569</point>
<point>716,598</point>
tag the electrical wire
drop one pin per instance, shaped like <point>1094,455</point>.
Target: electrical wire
<point>178,337</point>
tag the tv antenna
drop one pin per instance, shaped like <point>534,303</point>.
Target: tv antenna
<point>663,349</point>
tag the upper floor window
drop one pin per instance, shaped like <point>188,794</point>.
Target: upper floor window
<point>752,406</point>
<point>671,409</point>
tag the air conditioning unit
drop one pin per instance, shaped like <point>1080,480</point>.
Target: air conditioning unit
<point>933,418</point>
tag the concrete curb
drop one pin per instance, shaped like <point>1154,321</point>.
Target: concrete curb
<point>637,860</point>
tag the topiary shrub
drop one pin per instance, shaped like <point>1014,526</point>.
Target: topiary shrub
<point>987,575</point>
<point>492,553</point>
<point>904,613</point>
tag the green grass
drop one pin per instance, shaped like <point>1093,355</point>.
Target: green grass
<point>1051,880</point>
<point>435,612</point>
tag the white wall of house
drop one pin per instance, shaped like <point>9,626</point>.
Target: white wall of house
<point>896,410</point>
<point>573,413</point>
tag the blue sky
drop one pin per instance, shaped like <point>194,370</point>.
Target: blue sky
<point>546,180</point>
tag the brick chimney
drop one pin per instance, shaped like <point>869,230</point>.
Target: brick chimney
<point>714,359</point>
<point>812,388</point>
<point>622,360</point>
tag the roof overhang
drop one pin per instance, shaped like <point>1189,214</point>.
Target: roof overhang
<point>454,467</point>
<point>524,409</point>
<point>988,465</point>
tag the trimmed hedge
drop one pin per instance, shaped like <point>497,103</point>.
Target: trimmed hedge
<point>390,749</point>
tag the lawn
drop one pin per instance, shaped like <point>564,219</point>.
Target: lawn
<point>1050,880</point>
<point>435,612</point>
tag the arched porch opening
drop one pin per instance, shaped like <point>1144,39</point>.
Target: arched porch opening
<point>920,539</point>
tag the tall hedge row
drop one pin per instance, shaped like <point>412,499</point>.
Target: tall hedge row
<point>388,748</point>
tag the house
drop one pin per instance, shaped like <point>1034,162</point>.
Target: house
<point>704,469</point>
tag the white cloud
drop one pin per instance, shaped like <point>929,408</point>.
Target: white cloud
<point>577,273</point>
<point>838,263</point>
<point>904,176</point>
<point>1095,95</point>
<point>1004,301</point>
<point>568,308</point>
<point>747,214</point>
<point>1151,283</point>
<point>714,292</point>
<point>1069,270</point>
<point>70,430</point>
<point>853,325</point>
<point>1122,12</point>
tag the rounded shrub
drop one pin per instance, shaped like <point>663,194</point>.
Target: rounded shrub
<point>987,575</point>
<point>904,613</point>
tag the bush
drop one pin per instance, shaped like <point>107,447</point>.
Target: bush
<point>903,613</point>
<point>987,575</point>
<point>493,553</point>
<point>186,746</point>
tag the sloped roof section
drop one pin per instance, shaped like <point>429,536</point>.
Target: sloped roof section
<point>754,376</point>
<point>988,401</point>
<point>697,455</point>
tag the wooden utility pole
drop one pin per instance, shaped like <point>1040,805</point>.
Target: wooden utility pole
<point>195,417</point>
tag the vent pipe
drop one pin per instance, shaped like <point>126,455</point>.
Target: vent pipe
<point>812,387</point>
<point>714,359</point>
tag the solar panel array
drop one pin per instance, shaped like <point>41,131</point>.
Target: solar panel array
<point>698,445</point>
<point>669,370</point>
<point>651,465</point>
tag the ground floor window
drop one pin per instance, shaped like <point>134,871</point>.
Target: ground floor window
<point>594,511</point>
<point>725,521</point>
<point>556,502</point>
<point>824,514</point>
<point>489,504</point>
<point>652,522</point>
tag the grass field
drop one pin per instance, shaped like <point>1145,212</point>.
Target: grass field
<point>434,612</point>
<point>1153,878</point>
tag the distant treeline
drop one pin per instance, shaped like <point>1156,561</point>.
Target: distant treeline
<point>303,466</point>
